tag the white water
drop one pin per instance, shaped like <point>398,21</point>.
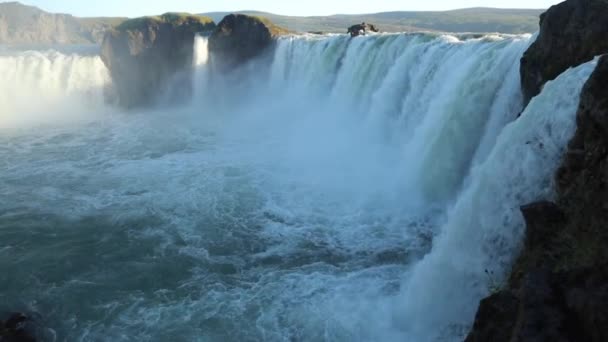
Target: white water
<point>37,86</point>
<point>344,190</point>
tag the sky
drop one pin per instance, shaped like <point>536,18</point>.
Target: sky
<point>133,8</point>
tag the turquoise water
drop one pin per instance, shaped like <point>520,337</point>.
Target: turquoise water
<point>344,190</point>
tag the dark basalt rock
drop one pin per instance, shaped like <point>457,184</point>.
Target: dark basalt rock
<point>542,219</point>
<point>571,33</point>
<point>496,316</point>
<point>239,38</point>
<point>361,29</point>
<point>560,281</point>
<point>144,54</point>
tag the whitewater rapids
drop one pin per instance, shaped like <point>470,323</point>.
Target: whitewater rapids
<point>342,190</point>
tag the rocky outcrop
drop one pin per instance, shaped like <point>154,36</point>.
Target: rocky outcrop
<point>571,33</point>
<point>239,38</point>
<point>361,29</point>
<point>558,288</point>
<point>16,329</point>
<point>145,54</point>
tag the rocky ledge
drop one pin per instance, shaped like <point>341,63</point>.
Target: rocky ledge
<point>558,288</point>
<point>144,54</point>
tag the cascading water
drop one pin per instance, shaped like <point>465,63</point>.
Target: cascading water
<point>35,83</point>
<point>346,189</point>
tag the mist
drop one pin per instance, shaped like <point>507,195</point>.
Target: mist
<point>325,191</point>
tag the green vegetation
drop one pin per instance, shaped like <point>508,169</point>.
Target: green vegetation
<point>175,19</point>
<point>477,20</point>
<point>274,29</point>
<point>21,24</point>
<point>96,22</point>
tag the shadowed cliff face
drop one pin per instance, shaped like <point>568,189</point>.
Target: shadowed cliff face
<point>571,33</point>
<point>559,285</point>
<point>144,55</point>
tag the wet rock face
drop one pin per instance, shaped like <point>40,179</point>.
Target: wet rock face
<point>543,219</point>
<point>560,281</point>
<point>239,38</point>
<point>584,166</point>
<point>571,33</point>
<point>145,54</point>
<point>496,315</point>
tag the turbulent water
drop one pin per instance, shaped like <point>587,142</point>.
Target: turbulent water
<point>341,190</point>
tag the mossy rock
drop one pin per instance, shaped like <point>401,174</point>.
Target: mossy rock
<point>275,30</point>
<point>145,54</point>
<point>240,38</point>
<point>174,19</point>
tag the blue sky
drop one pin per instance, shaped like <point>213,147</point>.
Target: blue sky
<point>133,8</point>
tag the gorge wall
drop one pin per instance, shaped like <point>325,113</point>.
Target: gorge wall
<point>559,285</point>
<point>571,33</point>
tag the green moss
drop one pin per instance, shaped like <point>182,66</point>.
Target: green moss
<point>101,22</point>
<point>467,20</point>
<point>274,29</point>
<point>175,19</point>
<point>182,18</point>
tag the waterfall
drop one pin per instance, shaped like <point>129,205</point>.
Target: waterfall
<point>337,190</point>
<point>37,83</point>
<point>484,227</point>
<point>440,100</point>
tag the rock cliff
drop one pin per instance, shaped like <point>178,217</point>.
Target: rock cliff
<point>239,38</point>
<point>571,33</point>
<point>145,54</point>
<point>558,288</point>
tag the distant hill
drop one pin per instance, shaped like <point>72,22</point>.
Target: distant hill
<point>21,24</point>
<point>479,20</point>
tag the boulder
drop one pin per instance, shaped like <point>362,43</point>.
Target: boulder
<point>16,329</point>
<point>361,29</point>
<point>571,33</point>
<point>240,38</point>
<point>143,55</point>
